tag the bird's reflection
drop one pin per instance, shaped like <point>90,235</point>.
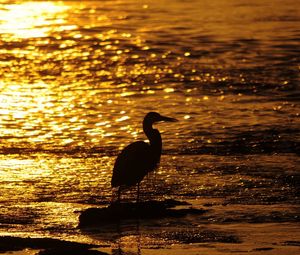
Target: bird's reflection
<point>119,250</point>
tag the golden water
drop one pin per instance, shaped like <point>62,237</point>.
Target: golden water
<point>77,78</point>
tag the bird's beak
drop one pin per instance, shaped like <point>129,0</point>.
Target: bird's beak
<point>163,118</point>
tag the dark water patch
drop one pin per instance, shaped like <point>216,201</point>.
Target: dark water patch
<point>70,251</point>
<point>203,39</point>
<point>75,151</point>
<point>8,243</point>
<point>14,44</point>
<point>248,41</point>
<point>257,216</point>
<point>289,47</point>
<point>279,18</point>
<point>261,196</point>
<point>292,243</point>
<point>236,194</point>
<point>258,140</point>
<point>241,147</point>
<point>263,249</point>
<point>248,87</point>
<point>252,146</point>
<point>293,97</point>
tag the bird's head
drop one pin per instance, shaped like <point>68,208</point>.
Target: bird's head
<point>153,117</point>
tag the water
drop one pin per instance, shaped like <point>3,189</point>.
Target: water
<point>77,78</point>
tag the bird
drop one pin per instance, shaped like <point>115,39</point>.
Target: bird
<point>139,158</point>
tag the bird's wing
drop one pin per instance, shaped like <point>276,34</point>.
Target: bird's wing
<point>132,164</point>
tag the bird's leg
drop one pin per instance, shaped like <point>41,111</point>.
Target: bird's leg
<point>119,194</point>
<point>138,193</point>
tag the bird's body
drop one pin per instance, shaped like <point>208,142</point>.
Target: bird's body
<point>139,158</point>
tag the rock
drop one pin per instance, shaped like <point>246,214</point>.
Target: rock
<point>125,211</point>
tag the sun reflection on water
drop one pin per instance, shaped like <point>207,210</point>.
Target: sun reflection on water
<point>31,19</point>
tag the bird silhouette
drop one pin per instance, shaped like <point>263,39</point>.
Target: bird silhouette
<point>139,158</point>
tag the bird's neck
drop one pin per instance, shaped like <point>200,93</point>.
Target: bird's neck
<point>153,136</point>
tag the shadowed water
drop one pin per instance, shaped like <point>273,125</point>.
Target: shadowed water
<point>77,78</point>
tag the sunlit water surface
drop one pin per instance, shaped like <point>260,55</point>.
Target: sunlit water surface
<point>77,78</point>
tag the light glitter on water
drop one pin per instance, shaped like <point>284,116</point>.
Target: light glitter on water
<point>77,78</point>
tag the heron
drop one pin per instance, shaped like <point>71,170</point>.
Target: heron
<point>139,158</point>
